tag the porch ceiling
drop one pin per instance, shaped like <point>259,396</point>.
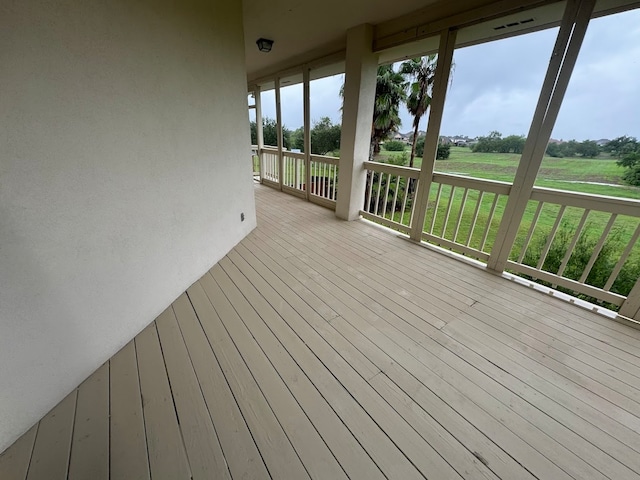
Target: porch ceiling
<point>306,31</point>
<point>299,26</point>
<point>329,349</point>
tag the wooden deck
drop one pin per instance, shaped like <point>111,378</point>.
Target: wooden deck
<point>326,349</point>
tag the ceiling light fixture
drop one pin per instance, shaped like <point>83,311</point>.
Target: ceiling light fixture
<point>264,44</point>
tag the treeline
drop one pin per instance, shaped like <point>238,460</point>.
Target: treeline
<point>325,136</point>
<point>587,149</point>
<point>494,143</point>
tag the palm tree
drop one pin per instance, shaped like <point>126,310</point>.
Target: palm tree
<point>390,91</point>
<point>421,73</point>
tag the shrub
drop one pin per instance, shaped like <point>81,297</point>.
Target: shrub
<point>602,268</point>
<point>443,152</point>
<point>400,160</point>
<point>420,147</point>
<point>394,146</point>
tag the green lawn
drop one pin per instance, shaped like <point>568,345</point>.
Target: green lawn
<point>574,174</point>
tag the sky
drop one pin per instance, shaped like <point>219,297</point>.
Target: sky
<point>495,86</point>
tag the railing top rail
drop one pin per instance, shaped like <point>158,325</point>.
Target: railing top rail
<point>269,148</point>
<point>325,159</point>
<point>601,203</point>
<point>493,186</point>
<point>293,155</point>
<point>393,169</point>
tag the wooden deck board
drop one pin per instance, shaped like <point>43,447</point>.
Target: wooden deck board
<point>326,349</point>
<point>50,457</point>
<point>90,447</point>
<point>128,437</point>
<point>14,461</point>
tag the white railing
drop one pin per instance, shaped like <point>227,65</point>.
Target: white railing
<point>318,171</point>
<point>464,213</point>
<point>323,179</point>
<point>568,244</point>
<point>585,245</point>
<point>294,177</point>
<point>389,195</point>
<point>269,164</point>
<point>255,160</point>
<point>579,242</point>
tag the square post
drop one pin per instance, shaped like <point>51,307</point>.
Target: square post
<point>565,53</point>
<point>631,306</point>
<point>361,68</point>
<point>307,130</point>
<point>259,132</point>
<point>440,85</point>
<point>279,133</point>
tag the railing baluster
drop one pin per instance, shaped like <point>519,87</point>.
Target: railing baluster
<point>487,227</point>
<point>386,196</point>
<point>335,182</point>
<point>475,217</point>
<point>380,175</point>
<point>435,208</point>
<point>404,199</point>
<point>623,258</point>
<point>464,201</point>
<point>446,217</point>
<point>552,236</point>
<point>532,228</point>
<point>395,196</point>
<point>573,243</point>
<point>598,248</point>
<point>370,176</point>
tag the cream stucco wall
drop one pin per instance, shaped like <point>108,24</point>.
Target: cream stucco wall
<point>124,167</point>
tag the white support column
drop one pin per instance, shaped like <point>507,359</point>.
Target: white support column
<point>307,130</point>
<point>361,69</point>
<point>259,132</point>
<point>631,306</point>
<point>565,52</point>
<point>440,85</point>
<point>279,133</point>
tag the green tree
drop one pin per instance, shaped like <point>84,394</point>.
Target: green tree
<point>631,161</point>
<point>325,136</point>
<point>554,150</point>
<point>621,146</point>
<point>297,139</point>
<point>490,143</point>
<point>421,74</point>
<point>270,133</point>
<point>512,144</point>
<point>588,149</point>
<point>569,149</point>
<point>390,91</point>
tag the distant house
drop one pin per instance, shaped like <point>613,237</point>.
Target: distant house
<point>403,137</point>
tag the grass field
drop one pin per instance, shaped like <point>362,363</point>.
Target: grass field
<point>574,174</point>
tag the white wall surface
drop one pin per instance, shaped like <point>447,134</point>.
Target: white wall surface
<point>124,167</point>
